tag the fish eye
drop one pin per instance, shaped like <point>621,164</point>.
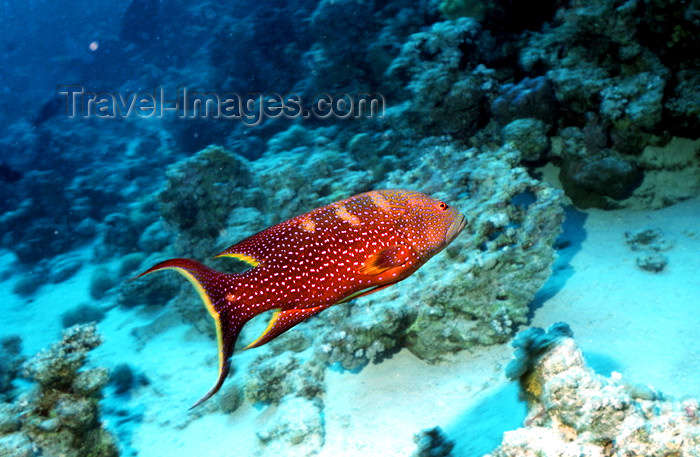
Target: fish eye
<point>443,206</point>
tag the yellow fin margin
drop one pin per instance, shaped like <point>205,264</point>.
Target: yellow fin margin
<point>270,324</point>
<point>253,262</point>
<point>210,308</point>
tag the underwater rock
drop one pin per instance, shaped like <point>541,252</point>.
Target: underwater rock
<point>592,174</point>
<point>9,421</point>
<point>671,174</point>
<point>575,412</point>
<point>532,343</point>
<point>659,177</point>
<point>364,334</point>
<point>101,282</point>
<point>131,264</point>
<point>199,194</point>
<point>435,69</point>
<point>16,445</point>
<point>349,55</point>
<point>652,262</point>
<point>160,289</point>
<point>30,228</point>
<point>62,416</point>
<point>529,136</point>
<point>294,428</point>
<point>633,107</point>
<point>607,176</point>
<point>155,237</point>
<point>619,60</point>
<point>10,363</point>
<point>230,398</point>
<point>651,241</point>
<point>270,379</point>
<point>529,98</point>
<point>684,106</point>
<point>301,178</point>
<point>648,239</point>
<point>480,290</point>
<point>58,366</point>
<point>360,147</point>
<point>120,233</point>
<point>123,232</point>
<point>63,266</point>
<point>335,20</point>
<point>296,136</point>
<point>27,285</point>
<point>122,377</point>
<point>432,443</point>
<point>453,9</point>
<point>82,314</point>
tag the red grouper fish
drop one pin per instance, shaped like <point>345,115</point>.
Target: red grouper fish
<point>327,256</point>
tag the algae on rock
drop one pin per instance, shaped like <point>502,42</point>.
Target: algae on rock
<point>574,412</point>
<point>62,416</point>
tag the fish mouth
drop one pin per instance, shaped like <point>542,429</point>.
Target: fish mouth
<point>456,227</point>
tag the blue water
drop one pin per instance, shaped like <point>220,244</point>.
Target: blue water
<point>139,131</point>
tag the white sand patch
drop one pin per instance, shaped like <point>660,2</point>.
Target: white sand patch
<point>641,324</point>
<point>377,411</point>
<point>37,318</point>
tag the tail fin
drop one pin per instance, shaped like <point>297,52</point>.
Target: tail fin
<point>210,285</point>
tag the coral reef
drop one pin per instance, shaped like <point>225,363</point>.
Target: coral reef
<point>574,412</point>
<point>61,417</point>
<point>361,334</point>
<point>436,70</point>
<point>291,384</point>
<point>199,194</point>
<point>501,260</point>
<point>529,136</point>
<point>270,379</point>
<point>530,98</point>
<point>619,99</point>
<point>531,344</point>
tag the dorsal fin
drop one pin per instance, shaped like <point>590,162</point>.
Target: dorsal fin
<point>255,249</point>
<point>250,260</point>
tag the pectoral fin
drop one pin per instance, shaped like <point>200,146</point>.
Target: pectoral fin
<point>387,258</point>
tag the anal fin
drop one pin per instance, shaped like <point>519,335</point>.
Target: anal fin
<point>283,320</point>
